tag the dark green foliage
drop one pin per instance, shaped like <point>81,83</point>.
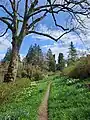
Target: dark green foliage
<point>35,55</point>
<point>61,62</point>
<point>7,55</point>
<point>37,73</point>
<point>29,55</point>
<point>23,74</point>
<point>32,72</point>
<point>33,63</point>
<point>51,61</point>
<point>80,69</point>
<point>72,54</point>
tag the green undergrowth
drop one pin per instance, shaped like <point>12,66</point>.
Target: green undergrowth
<point>20,100</point>
<point>69,100</point>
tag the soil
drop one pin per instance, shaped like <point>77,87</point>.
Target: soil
<point>43,109</point>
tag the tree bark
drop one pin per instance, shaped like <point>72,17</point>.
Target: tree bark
<point>11,74</point>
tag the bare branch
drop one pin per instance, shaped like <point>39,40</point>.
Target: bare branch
<point>55,18</point>
<point>7,23</point>
<point>33,4</point>
<point>26,7</point>
<point>37,20</point>
<point>4,33</point>
<point>18,4</point>
<point>67,6</point>
<point>20,15</point>
<point>12,4</point>
<point>49,36</point>
<point>6,18</point>
<point>1,6</point>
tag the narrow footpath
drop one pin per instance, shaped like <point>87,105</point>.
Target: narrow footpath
<point>43,109</point>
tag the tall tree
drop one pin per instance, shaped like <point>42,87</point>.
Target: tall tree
<point>72,56</point>
<point>61,62</point>
<point>35,55</point>
<point>51,61</point>
<point>7,56</point>
<point>22,22</point>
<point>29,54</point>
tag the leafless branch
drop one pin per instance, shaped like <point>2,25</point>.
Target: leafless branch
<point>53,8</point>
<point>18,3</point>
<point>49,36</point>
<point>1,6</point>
<point>37,20</point>
<point>7,23</point>
<point>4,32</point>
<point>7,18</point>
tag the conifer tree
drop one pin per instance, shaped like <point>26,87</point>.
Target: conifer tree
<point>72,56</point>
<point>51,61</point>
<point>61,62</point>
<point>7,56</point>
<point>35,55</point>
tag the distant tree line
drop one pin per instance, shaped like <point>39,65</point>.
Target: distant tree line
<point>36,61</point>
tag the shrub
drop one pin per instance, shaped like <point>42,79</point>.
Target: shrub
<point>23,74</point>
<point>80,69</point>
<point>37,73</point>
<point>30,71</point>
<point>33,72</point>
<point>67,70</point>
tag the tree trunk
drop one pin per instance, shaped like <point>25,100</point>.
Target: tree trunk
<point>13,65</point>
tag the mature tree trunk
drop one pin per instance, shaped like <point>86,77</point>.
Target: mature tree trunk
<point>13,65</point>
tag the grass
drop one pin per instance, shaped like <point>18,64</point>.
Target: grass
<point>20,100</point>
<point>69,100</point>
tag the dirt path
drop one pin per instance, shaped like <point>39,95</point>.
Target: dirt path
<point>43,109</point>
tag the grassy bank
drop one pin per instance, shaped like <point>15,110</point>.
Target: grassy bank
<point>20,100</point>
<point>69,100</point>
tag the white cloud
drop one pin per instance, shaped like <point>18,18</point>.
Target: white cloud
<point>2,56</point>
<point>56,49</point>
<point>22,56</point>
<point>44,29</point>
<point>80,44</point>
<point>4,43</point>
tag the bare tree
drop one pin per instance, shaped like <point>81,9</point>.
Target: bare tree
<point>21,23</point>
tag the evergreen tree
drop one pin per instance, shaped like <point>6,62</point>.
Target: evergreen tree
<point>7,56</point>
<point>51,61</point>
<point>61,62</point>
<point>29,55</point>
<point>35,55</point>
<point>40,57</point>
<point>72,56</point>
